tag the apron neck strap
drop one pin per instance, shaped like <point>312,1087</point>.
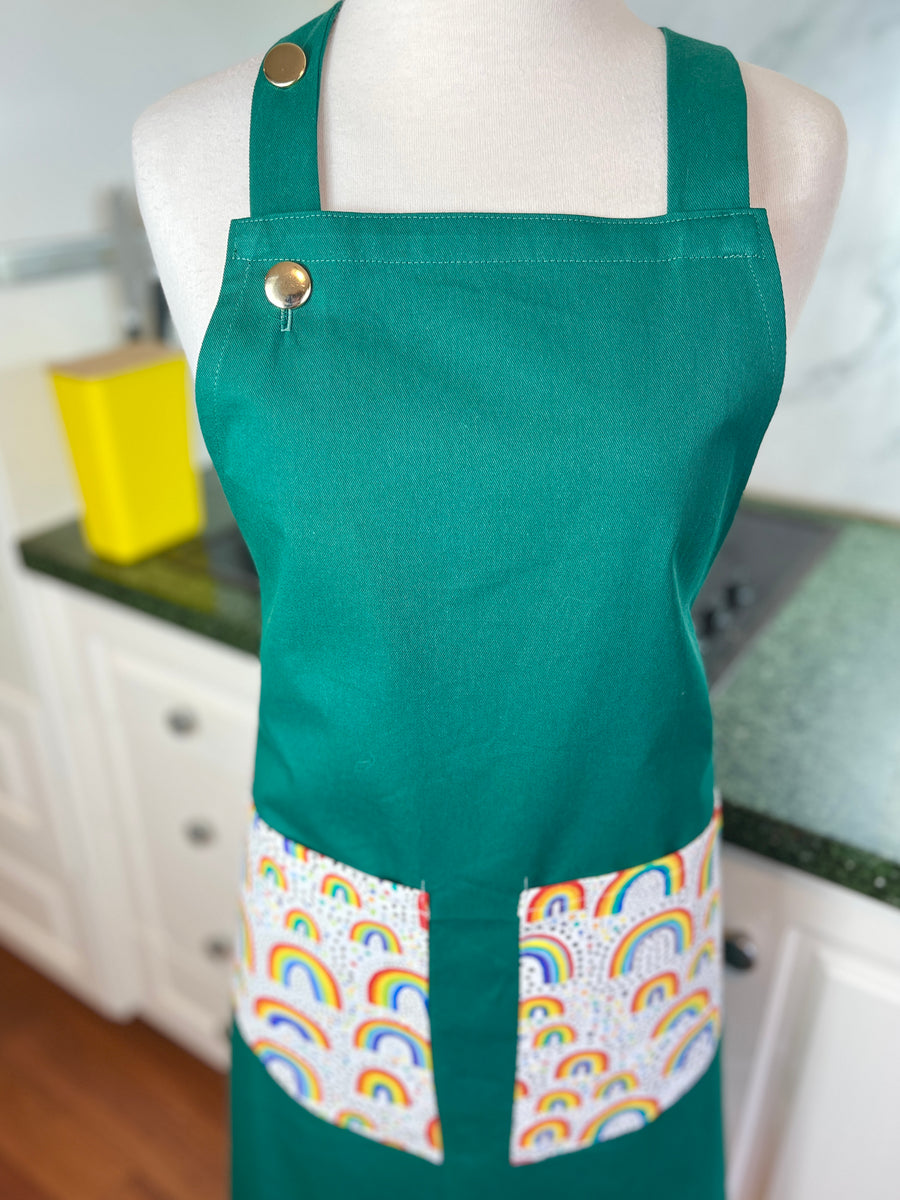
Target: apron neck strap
<point>284,141</point>
<point>707,126</point>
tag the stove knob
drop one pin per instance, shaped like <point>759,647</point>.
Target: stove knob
<point>740,595</point>
<point>714,620</point>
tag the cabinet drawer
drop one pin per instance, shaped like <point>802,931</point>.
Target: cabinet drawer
<point>751,910</point>
<point>185,756</point>
<point>186,727</point>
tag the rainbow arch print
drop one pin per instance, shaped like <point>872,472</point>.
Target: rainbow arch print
<point>336,1008</point>
<point>643,1005</point>
<point>598,1130</point>
<point>370,1034</point>
<point>670,869</point>
<point>560,1098</point>
<point>712,908</point>
<point>706,1028</point>
<point>299,921</point>
<point>276,1013</point>
<point>348,1119</point>
<point>267,868</point>
<point>706,953</point>
<point>340,888</point>
<point>551,1130</point>
<point>246,951</point>
<point>622,1081</point>
<point>551,955</point>
<point>295,849</point>
<point>533,1007</point>
<point>387,985</point>
<point>676,921</point>
<point>654,991</point>
<point>433,1134</point>
<point>371,932</point>
<point>689,1007</point>
<point>382,1085</point>
<point>277,1061</point>
<point>554,1035</point>
<point>284,959</point>
<point>582,1062</point>
<point>707,862</point>
<point>555,900</point>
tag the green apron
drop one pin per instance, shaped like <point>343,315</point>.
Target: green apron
<point>483,470</point>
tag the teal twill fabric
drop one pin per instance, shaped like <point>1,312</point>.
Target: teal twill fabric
<point>483,472</point>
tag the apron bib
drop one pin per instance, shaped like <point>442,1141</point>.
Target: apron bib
<point>483,468</point>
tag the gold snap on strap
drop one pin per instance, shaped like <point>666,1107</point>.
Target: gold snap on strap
<point>284,64</point>
<point>288,285</point>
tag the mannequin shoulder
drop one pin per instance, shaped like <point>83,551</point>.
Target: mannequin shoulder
<point>190,152</point>
<point>797,150</point>
<point>792,125</point>
<point>193,135</point>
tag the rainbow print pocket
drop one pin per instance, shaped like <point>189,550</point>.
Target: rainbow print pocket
<point>620,998</point>
<point>331,991</point>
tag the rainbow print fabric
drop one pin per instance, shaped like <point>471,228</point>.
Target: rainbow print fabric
<point>330,990</point>
<point>620,998</point>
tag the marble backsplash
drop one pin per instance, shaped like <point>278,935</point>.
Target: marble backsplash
<point>835,437</point>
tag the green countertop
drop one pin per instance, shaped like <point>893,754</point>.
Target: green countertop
<point>174,584</point>
<point>807,720</point>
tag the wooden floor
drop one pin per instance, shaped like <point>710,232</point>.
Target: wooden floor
<point>92,1110</point>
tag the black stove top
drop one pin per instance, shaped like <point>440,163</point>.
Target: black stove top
<point>763,558</point>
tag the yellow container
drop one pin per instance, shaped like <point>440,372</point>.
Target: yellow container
<point>125,416</point>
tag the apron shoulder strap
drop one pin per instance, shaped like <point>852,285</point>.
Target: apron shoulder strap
<point>707,126</point>
<point>284,116</point>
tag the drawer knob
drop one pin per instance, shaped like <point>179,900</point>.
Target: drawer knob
<point>217,948</point>
<point>200,833</point>
<point>182,720</point>
<point>740,950</point>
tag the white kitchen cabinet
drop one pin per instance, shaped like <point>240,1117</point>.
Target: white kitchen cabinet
<point>182,756</point>
<point>163,741</point>
<point>811,1038</point>
<point>35,916</point>
<point>41,913</point>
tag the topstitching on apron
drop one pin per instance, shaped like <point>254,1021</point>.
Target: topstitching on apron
<point>480,929</point>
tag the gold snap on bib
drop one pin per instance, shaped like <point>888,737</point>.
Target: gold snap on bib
<point>480,939</point>
<point>287,285</point>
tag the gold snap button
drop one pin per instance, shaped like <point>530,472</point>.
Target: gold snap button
<point>288,285</point>
<point>284,64</point>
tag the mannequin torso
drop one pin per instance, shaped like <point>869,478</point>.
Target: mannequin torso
<point>451,105</point>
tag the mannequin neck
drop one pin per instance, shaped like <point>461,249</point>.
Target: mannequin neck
<point>514,14</point>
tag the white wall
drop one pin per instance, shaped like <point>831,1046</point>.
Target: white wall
<point>73,79</point>
<point>835,438</point>
<point>76,76</point>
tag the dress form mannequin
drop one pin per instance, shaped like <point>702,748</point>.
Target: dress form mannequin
<point>454,105</point>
